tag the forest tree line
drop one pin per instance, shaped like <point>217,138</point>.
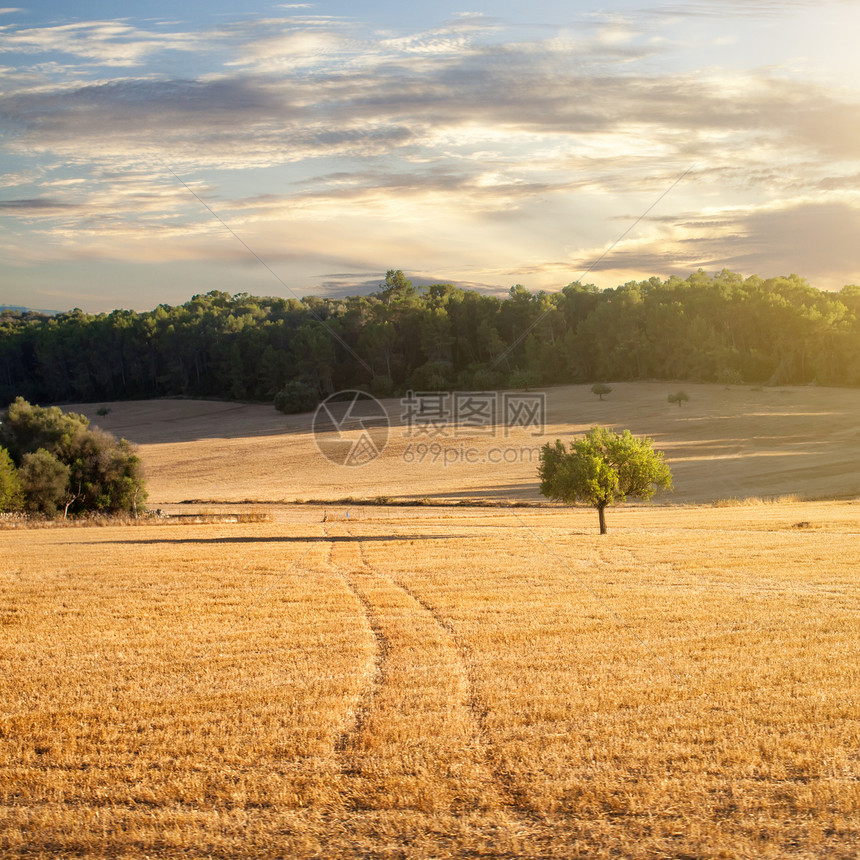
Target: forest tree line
<point>705,328</point>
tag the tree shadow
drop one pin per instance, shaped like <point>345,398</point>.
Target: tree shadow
<point>284,539</point>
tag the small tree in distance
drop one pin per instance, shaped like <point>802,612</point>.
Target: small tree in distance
<point>601,388</point>
<point>678,397</point>
<point>602,468</point>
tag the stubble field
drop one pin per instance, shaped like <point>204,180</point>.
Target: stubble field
<point>459,683</point>
<point>726,442</point>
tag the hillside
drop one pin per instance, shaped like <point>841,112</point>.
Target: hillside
<point>726,442</point>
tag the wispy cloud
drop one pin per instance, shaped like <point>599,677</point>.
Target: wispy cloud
<point>757,8</point>
<point>34,205</point>
<point>460,137</point>
<point>105,43</point>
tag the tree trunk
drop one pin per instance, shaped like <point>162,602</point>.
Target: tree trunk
<point>601,513</point>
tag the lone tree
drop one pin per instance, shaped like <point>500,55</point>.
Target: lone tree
<point>602,468</point>
<point>601,388</point>
<point>678,397</point>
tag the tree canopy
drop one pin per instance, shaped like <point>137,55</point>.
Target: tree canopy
<point>601,469</point>
<point>64,464</point>
<point>11,496</point>
<point>705,328</point>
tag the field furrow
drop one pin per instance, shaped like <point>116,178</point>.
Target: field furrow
<point>418,743</point>
<point>377,667</point>
<point>515,801</point>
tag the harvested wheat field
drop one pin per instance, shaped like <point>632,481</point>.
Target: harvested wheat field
<point>724,443</point>
<point>441,682</point>
<point>466,684</point>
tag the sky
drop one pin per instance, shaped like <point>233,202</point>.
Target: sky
<point>296,149</point>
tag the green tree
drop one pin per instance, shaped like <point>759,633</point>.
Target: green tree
<point>397,287</point>
<point>296,396</point>
<point>602,468</point>
<point>601,388</point>
<point>11,496</point>
<point>678,397</point>
<point>25,428</point>
<point>45,482</point>
<point>62,461</point>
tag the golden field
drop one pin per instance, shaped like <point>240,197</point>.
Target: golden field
<point>724,443</point>
<point>445,682</point>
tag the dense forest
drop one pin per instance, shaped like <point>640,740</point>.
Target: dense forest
<point>722,328</point>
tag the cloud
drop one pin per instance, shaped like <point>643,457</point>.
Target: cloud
<point>106,43</point>
<point>314,89</point>
<point>321,142</point>
<point>807,236</point>
<point>308,44</point>
<point>34,205</point>
<point>752,8</point>
<point>389,106</point>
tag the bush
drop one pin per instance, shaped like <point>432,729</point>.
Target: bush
<point>11,494</point>
<point>63,462</point>
<point>296,397</point>
<point>45,482</point>
<point>480,377</point>
<point>526,379</point>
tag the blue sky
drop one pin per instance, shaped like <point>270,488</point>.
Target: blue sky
<point>487,144</point>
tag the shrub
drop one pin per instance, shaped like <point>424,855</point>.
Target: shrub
<point>64,462</point>
<point>11,495</point>
<point>45,482</point>
<point>295,397</point>
<point>432,376</point>
<point>526,379</point>
<point>382,386</point>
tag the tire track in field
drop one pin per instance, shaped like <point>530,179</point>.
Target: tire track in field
<point>355,724</point>
<point>512,797</point>
<point>505,793</point>
<point>416,742</point>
